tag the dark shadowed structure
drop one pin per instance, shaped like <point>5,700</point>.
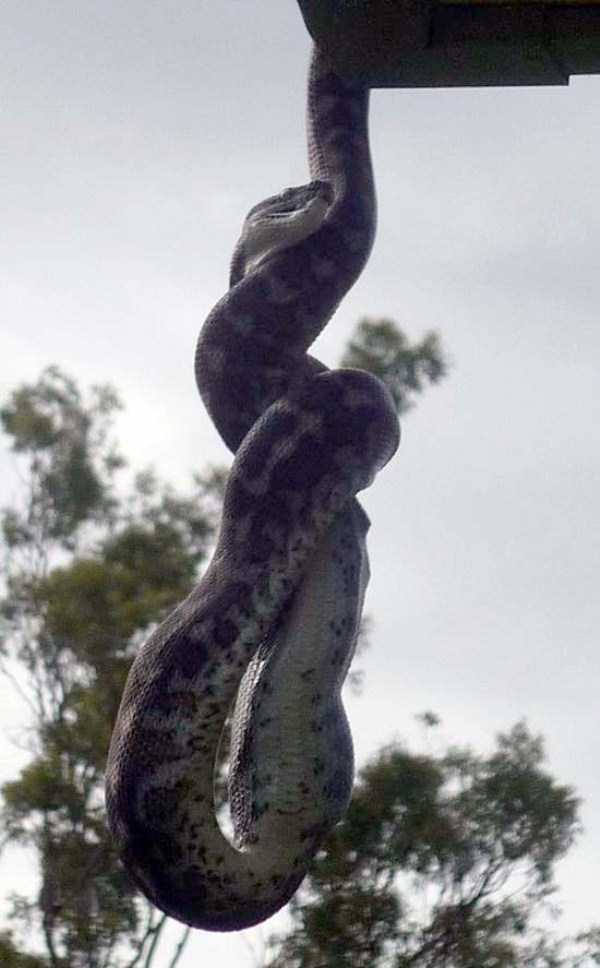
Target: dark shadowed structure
<point>449,43</point>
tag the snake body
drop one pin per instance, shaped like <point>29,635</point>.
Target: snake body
<point>272,624</point>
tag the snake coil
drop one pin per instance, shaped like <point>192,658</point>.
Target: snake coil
<point>272,624</point>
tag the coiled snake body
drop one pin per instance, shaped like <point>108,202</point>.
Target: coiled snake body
<point>275,617</point>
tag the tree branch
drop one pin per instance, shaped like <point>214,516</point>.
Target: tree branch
<point>157,932</point>
<point>179,949</point>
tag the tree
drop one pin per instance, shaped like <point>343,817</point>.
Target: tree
<point>88,573</point>
<point>383,349</point>
<point>442,861</point>
<point>91,566</point>
<point>11,957</point>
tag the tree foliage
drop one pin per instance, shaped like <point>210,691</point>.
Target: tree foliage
<point>92,563</point>
<point>380,347</point>
<point>90,571</point>
<point>423,871</point>
<point>442,861</point>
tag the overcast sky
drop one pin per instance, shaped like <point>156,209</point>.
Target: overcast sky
<point>135,138</point>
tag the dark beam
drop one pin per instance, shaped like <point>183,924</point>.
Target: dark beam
<point>448,43</point>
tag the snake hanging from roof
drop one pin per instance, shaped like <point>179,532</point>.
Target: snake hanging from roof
<point>275,617</point>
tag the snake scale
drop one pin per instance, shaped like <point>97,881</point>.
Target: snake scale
<point>274,619</point>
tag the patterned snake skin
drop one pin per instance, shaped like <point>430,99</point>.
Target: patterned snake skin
<point>275,617</point>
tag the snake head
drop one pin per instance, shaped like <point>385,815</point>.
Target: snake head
<point>279,222</point>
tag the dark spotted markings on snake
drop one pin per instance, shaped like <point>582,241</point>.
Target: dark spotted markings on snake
<point>271,627</point>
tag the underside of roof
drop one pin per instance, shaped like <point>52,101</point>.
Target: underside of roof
<point>449,43</point>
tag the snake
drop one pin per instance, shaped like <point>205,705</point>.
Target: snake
<point>267,634</point>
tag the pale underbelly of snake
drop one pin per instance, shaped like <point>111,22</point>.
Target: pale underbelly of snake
<point>271,627</point>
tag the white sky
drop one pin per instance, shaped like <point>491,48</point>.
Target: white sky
<point>135,138</point>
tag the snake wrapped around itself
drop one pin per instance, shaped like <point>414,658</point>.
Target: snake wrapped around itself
<point>270,629</point>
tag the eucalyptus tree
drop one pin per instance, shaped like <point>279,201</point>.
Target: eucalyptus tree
<point>442,861</point>
<point>91,563</point>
